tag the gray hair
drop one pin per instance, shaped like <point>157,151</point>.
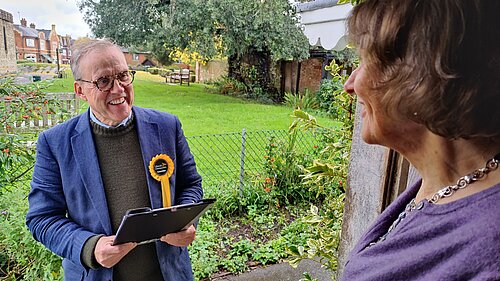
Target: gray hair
<point>81,50</point>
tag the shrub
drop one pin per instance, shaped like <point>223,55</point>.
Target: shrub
<point>229,87</point>
<point>327,94</point>
<point>304,101</point>
<point>20,103</point>
<point>323,174</point>
<point>283,170</point>
<point>21,257</point>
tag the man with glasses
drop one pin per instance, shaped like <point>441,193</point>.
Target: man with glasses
<point>93,168</point>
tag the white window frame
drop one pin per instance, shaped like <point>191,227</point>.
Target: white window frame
<point>135,57</point>
<point>30,42</point>
<point>42,44</point>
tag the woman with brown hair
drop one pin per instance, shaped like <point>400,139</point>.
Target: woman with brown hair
<point>429,85</point>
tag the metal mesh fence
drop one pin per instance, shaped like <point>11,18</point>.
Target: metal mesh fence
<point>237,156</point>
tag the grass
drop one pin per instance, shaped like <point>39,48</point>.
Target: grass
<point>201,112</point>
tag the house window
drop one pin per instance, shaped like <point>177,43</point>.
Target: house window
<point>30,42</point>
<point>63,51</point>
<point>135,57</point>
<point>42,44</point>
<point>5,39</point>
<point>54,46</point>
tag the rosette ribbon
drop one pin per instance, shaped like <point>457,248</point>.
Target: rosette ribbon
<point>161,168</point>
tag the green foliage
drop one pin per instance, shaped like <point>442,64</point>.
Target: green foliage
<point>19,105</point>
<point>20,255</point>
<point>304,101</point>
<point>21,258</point>
<point>322,175</point>
<point>354,2</point>
<point>327,224</point>
<point>230,87</point>
<point>329,90</point>
<point>234,244</point>
<point>160,71</point>
<point>283,169</point>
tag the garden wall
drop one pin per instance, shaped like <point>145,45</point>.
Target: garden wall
<point>308,73</point>
<point>7,43</point>
<point>211,71</point>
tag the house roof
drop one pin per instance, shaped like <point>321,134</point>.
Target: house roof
<point>47,33</point>
<point>324,23</point>
<point>27,31</point>
<point>126,50</point>
<point>315,5</point>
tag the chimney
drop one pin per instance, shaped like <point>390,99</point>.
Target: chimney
<point>54,27</point>
<point>32,25</point>
<point>23,22</point>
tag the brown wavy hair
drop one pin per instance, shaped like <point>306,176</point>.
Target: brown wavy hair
<point>436,62</point>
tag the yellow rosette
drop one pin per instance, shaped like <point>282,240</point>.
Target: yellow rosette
<point>161,168</point>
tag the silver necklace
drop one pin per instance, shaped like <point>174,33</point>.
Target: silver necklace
<point>447,191</point>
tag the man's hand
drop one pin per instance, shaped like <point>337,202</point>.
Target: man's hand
<point>108,255</point>
<point>181,238</point>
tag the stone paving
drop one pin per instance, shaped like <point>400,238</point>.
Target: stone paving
<point>282,272</point>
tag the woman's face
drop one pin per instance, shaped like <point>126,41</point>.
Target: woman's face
<point>378,127</point>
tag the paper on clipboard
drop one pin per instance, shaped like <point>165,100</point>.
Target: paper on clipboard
<point>145,225</point>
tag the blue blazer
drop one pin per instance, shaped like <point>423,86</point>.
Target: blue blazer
<point>67,203</point>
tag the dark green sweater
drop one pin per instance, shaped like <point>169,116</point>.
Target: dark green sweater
<point>125,185</point>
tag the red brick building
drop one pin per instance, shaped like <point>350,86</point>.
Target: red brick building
<point>65,43</point>
<point>37,45</point>
<point>138,58</point>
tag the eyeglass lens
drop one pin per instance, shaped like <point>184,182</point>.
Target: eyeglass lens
<point>106,83</point>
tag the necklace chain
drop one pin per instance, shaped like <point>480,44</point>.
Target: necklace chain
<point>447,191</point>
<point>464,181</point>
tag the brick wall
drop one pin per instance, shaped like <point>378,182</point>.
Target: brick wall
<point>7,43</point>
<point>310,75</point>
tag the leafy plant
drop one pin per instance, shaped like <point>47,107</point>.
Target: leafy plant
<point>230,87</point>
<point>21,257</point>
<point>20,106</point>
<point>322,176</point>
<point>304,101</point>
<point>283,169</point>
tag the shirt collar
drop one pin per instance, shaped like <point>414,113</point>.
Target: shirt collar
<point>93,118</point>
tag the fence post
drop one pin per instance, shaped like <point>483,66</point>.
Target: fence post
<point>242,162</point>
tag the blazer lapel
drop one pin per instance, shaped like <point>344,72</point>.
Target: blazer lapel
<point>87,163</point>
<point>150,141</point>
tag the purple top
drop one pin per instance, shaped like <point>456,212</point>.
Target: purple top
<point>459,240</point>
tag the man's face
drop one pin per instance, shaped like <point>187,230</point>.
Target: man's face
<point>111,106</point>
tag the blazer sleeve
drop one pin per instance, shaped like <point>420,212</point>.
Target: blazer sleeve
<point>47,217</point>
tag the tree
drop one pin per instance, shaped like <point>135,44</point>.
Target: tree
<point>252,34</point>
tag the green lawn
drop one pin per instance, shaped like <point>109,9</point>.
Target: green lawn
<point>201,112</point>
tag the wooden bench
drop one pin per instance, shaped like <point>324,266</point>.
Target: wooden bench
<point>178,76</point>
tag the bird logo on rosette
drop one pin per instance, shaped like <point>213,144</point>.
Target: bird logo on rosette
<point>161,168</point>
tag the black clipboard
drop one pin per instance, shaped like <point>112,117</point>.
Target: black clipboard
<point>144,225</point>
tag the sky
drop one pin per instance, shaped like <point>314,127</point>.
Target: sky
<point>43,13</point>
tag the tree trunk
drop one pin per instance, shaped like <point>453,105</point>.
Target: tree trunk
<point>254,70</point>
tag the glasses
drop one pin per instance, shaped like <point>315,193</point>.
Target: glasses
<point>105,83</point>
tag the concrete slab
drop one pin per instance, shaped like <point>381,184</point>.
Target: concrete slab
<point>282,272</point>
